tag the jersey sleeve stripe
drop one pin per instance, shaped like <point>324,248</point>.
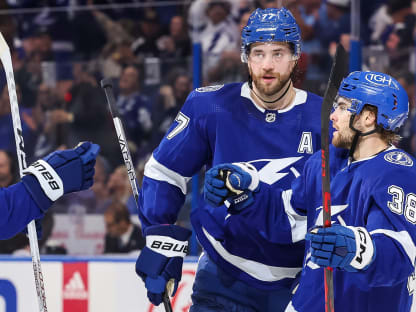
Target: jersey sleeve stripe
<point>157,171</point>
<point>403,238</point>
<point>298,223</point>
<point>255,269</point>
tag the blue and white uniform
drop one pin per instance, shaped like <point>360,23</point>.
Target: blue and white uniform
<point>17,209</point>
<point>220,124</point>
<point>377,193</point>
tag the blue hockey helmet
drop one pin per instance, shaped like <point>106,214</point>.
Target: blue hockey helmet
<point>270,25</point>
<point>379,90</point>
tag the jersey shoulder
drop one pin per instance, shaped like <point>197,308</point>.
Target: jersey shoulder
<point>393,165</point>
<point>313,102</point>
<point>213,98</point>
<point>313,98</point>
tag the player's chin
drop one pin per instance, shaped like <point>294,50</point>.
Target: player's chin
<point>339,141</point>
<point>271,89</point>
<point>336,140</point>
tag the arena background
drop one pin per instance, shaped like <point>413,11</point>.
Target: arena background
<point>159,51</point>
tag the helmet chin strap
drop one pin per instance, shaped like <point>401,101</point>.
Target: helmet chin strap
<point>250,84</point>
<point>358,134</point>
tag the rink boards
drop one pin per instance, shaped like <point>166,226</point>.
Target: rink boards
<point>84,285</point>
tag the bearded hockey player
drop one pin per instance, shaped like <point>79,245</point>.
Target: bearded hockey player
<point>371,243</point>
<point>265,121</point>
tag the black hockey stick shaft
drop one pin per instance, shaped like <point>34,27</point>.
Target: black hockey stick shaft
<point>107,85</point>
<point>338,71</point>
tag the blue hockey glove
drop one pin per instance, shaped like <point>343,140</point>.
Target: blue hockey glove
<point>161,260</point>
<point>232,185</point>
<point>349,248</point>
<point>61,172</point>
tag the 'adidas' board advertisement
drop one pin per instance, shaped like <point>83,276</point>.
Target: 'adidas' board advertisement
<point>84,285</point>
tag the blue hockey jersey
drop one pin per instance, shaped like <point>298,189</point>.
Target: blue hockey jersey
<point>17,209</point>
<point>377,193</point>
<point>221,124</point>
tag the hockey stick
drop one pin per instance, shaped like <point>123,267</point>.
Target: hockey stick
<point>107,85</point>
<point>338,71</point>
<point>6,60</point>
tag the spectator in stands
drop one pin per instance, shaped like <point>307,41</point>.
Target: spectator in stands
<point>122,236</point>
<point>146,44</point>
<point>119,188</point>
<point>91,119</point>
<point>398,36</point>
<point>176,46</point>
<point>37,49</point>
<point>99,189</point>
<point>86,25</point>
<point>115,57</point>
<point>167,105</point>
<point>52,119</point>
<point>214,26</point>
<point>306,13</point>
<point>29,126</point>
<point>8,174</point>
<point>229,68</point>
<point>333,21</point>
<point>134,107</point>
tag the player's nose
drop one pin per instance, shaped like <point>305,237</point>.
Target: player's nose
<point>332,117</point>
<point>268,63</point>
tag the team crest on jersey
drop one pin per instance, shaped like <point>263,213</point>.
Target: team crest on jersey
<point>209,88</point>
<point>271,117</point>
<point>399,158</point>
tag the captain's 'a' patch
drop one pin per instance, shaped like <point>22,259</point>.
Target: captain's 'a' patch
<point>209,88</point>
<point>399,158</point>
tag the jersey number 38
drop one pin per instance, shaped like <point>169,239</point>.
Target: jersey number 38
<point>402,203</point>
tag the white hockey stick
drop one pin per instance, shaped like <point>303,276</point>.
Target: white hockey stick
<point>6,60</point>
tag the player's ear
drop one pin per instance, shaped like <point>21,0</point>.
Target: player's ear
<point>369,117</point>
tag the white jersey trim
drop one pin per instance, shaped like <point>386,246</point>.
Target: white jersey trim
<point>259,271</point>
<point>403,238</point>
<point>298,223</point>
<point>155,170</point>
<point>300,98</point>
<point>290,308</point>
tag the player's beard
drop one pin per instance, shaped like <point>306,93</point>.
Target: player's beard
<point>270,89</point>
<point>343,139</point>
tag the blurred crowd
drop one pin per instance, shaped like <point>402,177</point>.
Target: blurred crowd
<point>62,49</point>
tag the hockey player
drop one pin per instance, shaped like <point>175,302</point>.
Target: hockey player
<point>46,180</point>
<point>266,122</point>
<point>371,243</point>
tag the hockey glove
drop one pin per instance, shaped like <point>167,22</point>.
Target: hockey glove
<point>232,185</point>
<point>61,172</point>
<point>161,260</point>
<point>349,248</point>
